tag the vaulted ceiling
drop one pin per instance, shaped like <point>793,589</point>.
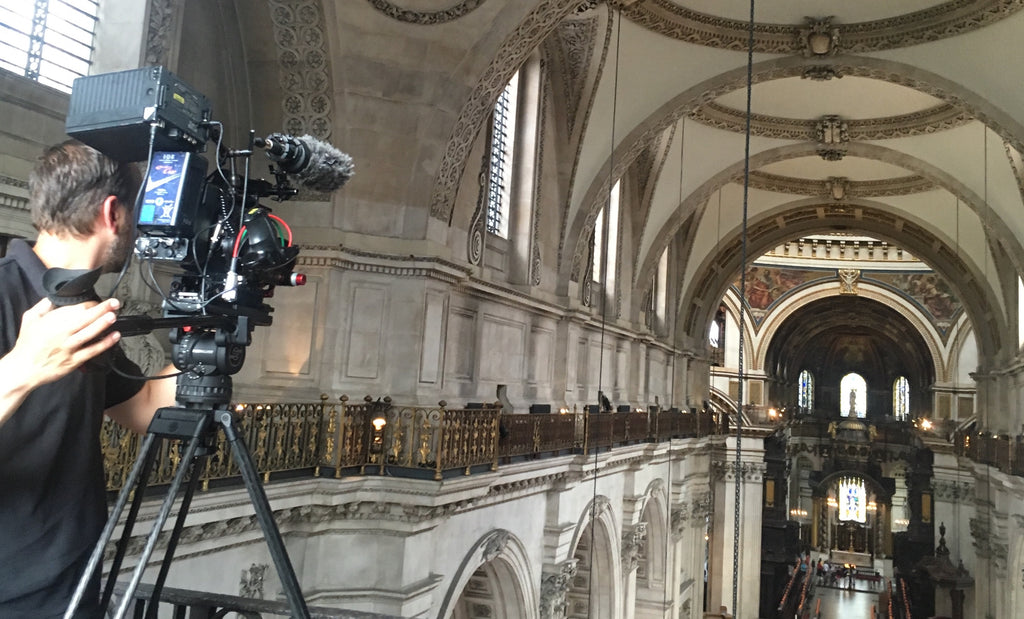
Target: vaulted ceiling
<point>895,120</point>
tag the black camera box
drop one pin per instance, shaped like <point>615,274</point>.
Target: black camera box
<point>112,112</point>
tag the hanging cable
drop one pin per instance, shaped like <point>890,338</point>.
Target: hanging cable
<point>740,340</point>
<point>672,390</point>
<point>602,270</point>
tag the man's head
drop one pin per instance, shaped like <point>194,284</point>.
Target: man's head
<point>68,188</point>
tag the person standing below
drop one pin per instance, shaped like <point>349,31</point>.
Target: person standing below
<point>60,374</point>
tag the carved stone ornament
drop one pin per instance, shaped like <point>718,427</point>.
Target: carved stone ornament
<point>833,136</point>
<point>837,186</point>
<point>744,471</point>
<point>701,506</point>
<point>496,545</point>
<point>426,18</point>
<point>251,584</point>
<point>553,588</point>
<point>304,66</point>
<point>475,240</point>
<point>633,540</point>
<point>822,73</point>
<point>848,281</point>
<point>819,37</point>
<point>163,25</point>
<point>679,517</point>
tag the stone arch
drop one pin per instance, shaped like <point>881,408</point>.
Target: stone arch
<point>731,301</point>
<point>494,574</point>
<point>864,289</point>
<point>686,102</point>
<point>651,569</point>
<point>811,215</point>
<point>596,591</point>
<point>693,206</point>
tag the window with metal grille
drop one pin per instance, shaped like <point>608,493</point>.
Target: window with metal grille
<point>50,41</point>
<point>502,144</point>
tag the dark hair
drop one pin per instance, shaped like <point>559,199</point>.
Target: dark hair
<point>70,182</point>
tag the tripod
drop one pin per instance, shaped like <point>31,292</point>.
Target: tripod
<point>198,423</point>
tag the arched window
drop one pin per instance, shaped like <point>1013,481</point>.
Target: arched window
<point>853,399</point>
<point>901,398</point>
<point>805,400</point>
<point>606,242</point>
<point>49,41</point>
<point>503,140</point>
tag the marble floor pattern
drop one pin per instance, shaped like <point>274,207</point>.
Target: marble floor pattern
<point>844,604</point>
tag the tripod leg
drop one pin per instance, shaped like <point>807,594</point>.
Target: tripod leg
<point>265,517</point>
<point>129,524</point>
<point>143,464</point>
<point>161,518</point>
<point>172,542</point>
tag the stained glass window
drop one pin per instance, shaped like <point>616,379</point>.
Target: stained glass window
<point>901,398</point>
<point>853,503</point>
<point>806,398</point>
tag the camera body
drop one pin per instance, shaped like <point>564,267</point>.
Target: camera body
<point>229,250</point>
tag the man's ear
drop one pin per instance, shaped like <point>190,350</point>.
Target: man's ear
<point>111,213</point>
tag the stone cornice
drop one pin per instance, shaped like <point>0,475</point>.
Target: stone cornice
<point>938,22</point>
<point>461,278</point>
<point>931,120</point>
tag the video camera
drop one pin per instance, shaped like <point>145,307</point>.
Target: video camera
<point>231,250</point>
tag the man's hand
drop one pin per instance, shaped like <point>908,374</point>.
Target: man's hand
<point>51,344</point>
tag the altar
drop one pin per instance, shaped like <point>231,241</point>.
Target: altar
<point>860,559</point>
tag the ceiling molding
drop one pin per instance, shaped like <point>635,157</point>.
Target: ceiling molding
<point>939,118</point>
<point>898,186</point>
<point>426,18</point>
<point>939,22</point>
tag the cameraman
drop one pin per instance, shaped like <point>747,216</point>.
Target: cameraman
<point>57,380</point>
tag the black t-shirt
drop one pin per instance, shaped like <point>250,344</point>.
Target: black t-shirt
<point>52,486</point>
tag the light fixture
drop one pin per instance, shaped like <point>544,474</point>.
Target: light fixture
<point>379,422</point>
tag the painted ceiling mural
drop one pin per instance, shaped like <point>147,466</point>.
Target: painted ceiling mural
<point>766,286</point>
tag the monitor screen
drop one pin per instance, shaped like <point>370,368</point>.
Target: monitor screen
<point>161,203</point>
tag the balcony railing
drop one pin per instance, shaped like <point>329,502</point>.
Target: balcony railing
<point>337,438</point>
<point>1002,451</point>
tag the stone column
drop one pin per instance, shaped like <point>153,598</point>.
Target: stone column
<point>634,538</point>
<point>749,475</point>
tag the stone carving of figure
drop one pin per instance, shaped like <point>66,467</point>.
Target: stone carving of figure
<point>853,402</point>
<point>848,281</point>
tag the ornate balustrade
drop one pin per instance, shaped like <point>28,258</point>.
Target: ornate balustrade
<point>1003,452</point>
<point>338,438</point>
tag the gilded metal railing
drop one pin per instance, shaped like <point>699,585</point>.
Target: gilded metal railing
<point>280,438</point>
<point>338,438</point>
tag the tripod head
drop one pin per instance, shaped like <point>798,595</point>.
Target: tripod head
<point>207,350</point>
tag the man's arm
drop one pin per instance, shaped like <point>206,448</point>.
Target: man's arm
<point>136,412</point>
<point>52,343</point>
